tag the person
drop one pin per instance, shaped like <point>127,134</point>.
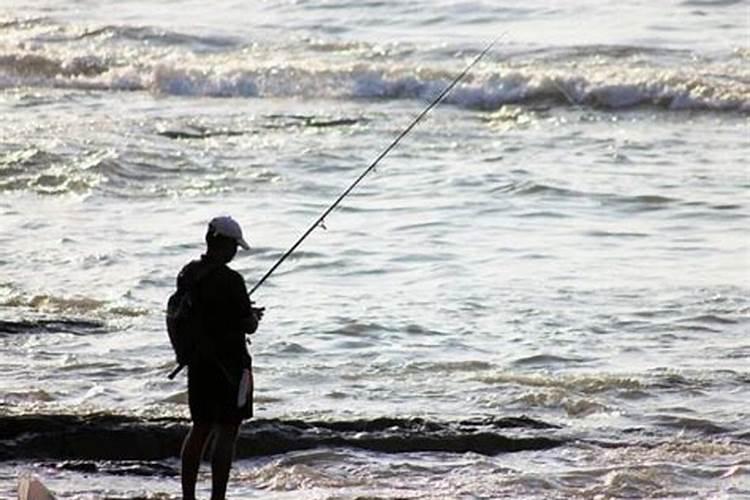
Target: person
<point>215,373</point>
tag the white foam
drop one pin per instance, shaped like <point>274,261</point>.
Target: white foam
<point>605,85</point>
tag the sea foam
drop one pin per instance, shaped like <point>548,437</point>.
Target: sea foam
<point>607,88</point>
<point>42,53</point>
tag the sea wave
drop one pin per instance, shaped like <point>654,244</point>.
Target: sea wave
<point>55,304</point>
<point>34,169</point>
<point>612,85</point>
<point>47,312</point>
<point>584,384</point>
<point>48,30</point>
<point>161,36</point>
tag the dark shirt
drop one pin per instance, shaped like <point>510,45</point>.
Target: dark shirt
<point>223,301</point>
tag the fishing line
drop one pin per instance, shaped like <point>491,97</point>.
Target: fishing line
<point>319,221</point>
<point>321,218</point>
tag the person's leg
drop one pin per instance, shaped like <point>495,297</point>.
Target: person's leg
<point>192,451</point>
<point>221,461</point>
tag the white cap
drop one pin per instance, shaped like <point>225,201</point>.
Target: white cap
<point>226,226</point>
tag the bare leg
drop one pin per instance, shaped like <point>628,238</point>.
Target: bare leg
<point>192,450</point>
<point>221,462</point>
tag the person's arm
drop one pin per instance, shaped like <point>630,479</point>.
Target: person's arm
<point>249,323</point>
<point>249,316</point>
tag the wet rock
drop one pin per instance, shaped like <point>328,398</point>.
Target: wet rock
<point>198,133</point>
<point>119,467</point>
<point>74,326</point>
<point>101,437</point>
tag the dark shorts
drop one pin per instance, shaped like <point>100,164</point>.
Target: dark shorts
<point>213,397</point>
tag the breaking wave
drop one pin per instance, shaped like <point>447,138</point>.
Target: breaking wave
<point>26,313</point>
<point>666,92</point>
<point>174,64</point>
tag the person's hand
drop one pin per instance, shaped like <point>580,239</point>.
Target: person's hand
<point>258,312</point>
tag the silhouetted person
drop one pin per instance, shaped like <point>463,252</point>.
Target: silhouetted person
<point>216,371</point>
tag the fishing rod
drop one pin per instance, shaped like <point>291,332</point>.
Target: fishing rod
<point>320,220</point>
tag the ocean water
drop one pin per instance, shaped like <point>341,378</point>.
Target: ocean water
<point>566,238</point>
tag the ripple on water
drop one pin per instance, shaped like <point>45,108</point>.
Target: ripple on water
<point>689,424</point>
<point>31,396</point>
<point>581,383</point>
<point>542,360</point>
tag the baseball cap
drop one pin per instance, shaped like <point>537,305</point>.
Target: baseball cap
<point>226,226</point>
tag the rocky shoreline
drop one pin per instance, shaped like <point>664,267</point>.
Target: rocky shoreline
<point>102,437</point>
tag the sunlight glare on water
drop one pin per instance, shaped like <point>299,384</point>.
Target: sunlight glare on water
<point>565,238</point>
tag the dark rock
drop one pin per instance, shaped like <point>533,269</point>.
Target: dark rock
<point>102,437</point>
<point>74,326</point>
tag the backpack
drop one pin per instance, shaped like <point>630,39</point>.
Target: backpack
<point>184,315</point>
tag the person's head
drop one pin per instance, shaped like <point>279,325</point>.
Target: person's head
<point>222,238</point>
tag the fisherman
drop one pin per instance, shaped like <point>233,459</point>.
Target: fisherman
<point>219,376</point>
